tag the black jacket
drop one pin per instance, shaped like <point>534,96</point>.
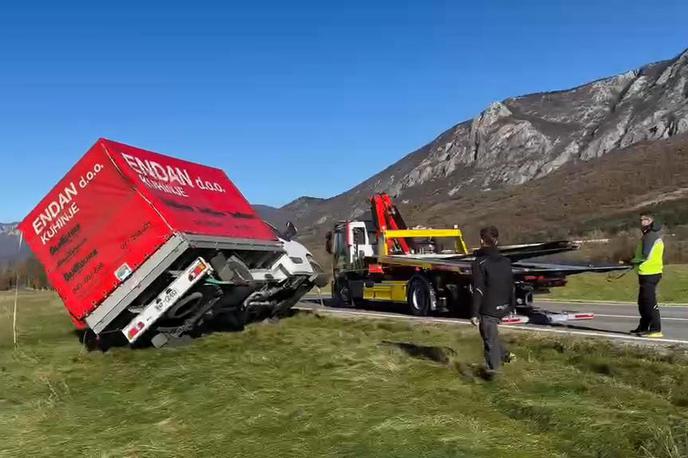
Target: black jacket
<point>493,284</point>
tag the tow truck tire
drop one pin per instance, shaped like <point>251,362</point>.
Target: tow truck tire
<point>341,293</point>
<point>420,295</point>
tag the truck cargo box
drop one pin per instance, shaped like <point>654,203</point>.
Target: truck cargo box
<point>117,207</point>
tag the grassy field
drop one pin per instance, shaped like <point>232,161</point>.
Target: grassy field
<point>672,288</point>
<point>315,386</point>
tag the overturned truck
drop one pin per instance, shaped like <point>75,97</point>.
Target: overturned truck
<point>145,248</point>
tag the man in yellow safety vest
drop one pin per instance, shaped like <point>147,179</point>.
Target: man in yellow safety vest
<point>649,265</point>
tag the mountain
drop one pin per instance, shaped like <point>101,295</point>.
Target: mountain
<point>275,216</point>
<point>9,244</point>
<point>522,140</point>
<point>581,197</point>
<point>9,229</point>
<point>296,211</point>
<point>551,163</point>
<point>605,194</point>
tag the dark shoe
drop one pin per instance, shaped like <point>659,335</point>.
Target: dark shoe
<point>637,331</point>
<point>489,374</point>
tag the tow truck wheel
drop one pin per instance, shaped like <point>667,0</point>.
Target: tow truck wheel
<point>342,294</point>
<point>420,295</point>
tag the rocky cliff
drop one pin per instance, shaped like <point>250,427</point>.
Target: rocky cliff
<point>9,244</point>
<point>524,138</point>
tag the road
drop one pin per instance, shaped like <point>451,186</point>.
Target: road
<point>612,321</point>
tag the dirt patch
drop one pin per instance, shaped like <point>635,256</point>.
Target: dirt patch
<point>440,355</point>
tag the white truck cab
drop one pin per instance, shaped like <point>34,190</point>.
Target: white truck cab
<point>297,260</point>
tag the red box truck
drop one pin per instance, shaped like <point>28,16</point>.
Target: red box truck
<point>139,243</point>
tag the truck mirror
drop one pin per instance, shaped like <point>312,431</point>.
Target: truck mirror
<point>290,231</point>
<point>328,242</point>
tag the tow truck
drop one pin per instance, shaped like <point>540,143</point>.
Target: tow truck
<point>429,270</point>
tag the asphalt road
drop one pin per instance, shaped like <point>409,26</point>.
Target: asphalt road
<point>612,321</point>
<point>621,318</point>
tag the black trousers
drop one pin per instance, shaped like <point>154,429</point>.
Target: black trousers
<point>647,303</point>
<point>495,353</point>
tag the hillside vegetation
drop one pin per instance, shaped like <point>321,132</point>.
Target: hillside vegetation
<point>594,199</point>
<point>606,194</point>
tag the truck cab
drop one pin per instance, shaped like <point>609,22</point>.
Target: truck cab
<point>351,242</point>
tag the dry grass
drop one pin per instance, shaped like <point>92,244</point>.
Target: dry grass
<point>315,386</point>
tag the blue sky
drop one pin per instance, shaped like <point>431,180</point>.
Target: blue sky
<point>290,98</point>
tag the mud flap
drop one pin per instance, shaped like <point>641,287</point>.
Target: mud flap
<point>163,339</point>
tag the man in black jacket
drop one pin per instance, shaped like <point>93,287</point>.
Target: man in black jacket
<point>493,297</point>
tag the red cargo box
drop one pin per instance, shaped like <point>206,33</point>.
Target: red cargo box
<point>116,207</point>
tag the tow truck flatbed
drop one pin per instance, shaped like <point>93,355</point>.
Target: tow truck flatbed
<point>385,261</point>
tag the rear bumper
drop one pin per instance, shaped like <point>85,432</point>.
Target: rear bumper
<point>156,265</point>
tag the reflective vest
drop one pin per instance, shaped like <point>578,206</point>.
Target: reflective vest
<point>654,263</point>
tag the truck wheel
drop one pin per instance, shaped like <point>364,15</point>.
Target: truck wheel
<point>321,279</point>
<point>420,295</point>
<point>90,340</point>
<point>342,294</point>
<point>185,306</point>
<point>233,320</point>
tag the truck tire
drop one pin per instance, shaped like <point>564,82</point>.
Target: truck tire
<point>233,321</point>
<point>420,295</point>
<point>321,279</point>
<point>185,306</point>
<point>90,340</point>
<point>102,342</point>
<point>341,293</point>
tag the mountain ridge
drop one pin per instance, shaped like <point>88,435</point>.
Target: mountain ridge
<point>526,137</point>
<point>10,250</point>
<point>7,228</point>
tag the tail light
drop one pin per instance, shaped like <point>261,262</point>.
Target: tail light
<point>135,330</point>
<point>198,270</point>
<point>375,269</point>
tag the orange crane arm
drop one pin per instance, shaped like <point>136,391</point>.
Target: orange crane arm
<point>386,216</point>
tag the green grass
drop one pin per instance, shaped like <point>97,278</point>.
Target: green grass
<point>316,386</point>
<point>672,288</point>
